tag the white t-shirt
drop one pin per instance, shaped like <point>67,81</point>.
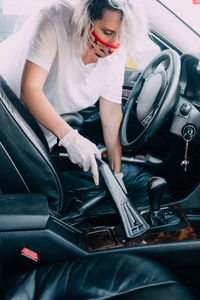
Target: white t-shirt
<point>70,85</point>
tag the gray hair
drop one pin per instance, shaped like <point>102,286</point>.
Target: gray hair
<point>134,27</point>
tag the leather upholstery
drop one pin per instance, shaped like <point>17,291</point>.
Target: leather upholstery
<point>98,277</point>
<point>21,139</point>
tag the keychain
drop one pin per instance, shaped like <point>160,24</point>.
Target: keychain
<point>187,138</point>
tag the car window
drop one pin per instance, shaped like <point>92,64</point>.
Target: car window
<point>23,7</point>
<point>189,11</point>
<point>13,13</point>
<point>7,23</point>
<point>173,26</point>
<point>148,51</point>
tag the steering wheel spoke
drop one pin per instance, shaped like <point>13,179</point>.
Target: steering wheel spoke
<point>148,119</point>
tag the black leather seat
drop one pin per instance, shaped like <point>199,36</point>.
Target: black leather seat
<point>98,277</point>
<point>26,165</point>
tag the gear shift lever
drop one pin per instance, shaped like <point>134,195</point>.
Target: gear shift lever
<point>156,188</point>
<point>157,217</point>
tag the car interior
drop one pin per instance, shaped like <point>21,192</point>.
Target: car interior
<point>41,223</point>
<point>94,243</point>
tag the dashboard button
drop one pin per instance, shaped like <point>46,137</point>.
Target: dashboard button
<point>185,109</point>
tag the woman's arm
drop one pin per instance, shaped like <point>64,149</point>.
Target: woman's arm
<point>80,150</point>
<point>111,117</point>
<point>32,95</point>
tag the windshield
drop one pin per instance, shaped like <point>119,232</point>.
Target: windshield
<point>187,10</point>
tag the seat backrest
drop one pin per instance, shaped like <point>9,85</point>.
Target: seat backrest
<point>25,162</point>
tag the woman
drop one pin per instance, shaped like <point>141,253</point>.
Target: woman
<point>74,55</point>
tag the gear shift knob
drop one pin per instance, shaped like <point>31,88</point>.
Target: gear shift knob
<point>156,188</point>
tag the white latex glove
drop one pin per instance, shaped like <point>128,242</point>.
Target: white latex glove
<point>82,152</point>
<point>119,177</point>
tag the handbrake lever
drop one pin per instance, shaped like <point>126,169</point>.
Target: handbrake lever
<point>134,224</point>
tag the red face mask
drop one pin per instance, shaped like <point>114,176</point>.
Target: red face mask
<point>99,47</point>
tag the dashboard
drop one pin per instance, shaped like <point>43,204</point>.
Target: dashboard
<point>187,115</point>
<point>190,78</point>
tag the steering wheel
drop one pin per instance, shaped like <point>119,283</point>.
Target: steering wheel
<point>154,98</point>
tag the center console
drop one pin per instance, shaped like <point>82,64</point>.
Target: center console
<point>114,237</point>
<point>162,233</point>
<point>28,224</point>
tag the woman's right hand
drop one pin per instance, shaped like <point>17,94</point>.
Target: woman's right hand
<point>82,152</point>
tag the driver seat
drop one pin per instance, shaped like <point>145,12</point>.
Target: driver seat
<point>26,164</point>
